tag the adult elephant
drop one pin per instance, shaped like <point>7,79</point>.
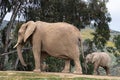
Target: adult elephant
<point>59,39</point>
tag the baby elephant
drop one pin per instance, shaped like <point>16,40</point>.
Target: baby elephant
<point>99,59</point>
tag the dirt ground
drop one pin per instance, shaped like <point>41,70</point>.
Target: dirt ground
<point>71,75</point>
<point>47,74</point>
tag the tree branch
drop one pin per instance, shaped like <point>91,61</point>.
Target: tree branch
<point>7,53</point>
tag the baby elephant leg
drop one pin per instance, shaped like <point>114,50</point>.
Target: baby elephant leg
<point>107,70</point>
<point>96,66</point>
<point>98,73</point>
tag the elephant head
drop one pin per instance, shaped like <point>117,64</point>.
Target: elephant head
<point>23,34</point>
<point>88,58</point>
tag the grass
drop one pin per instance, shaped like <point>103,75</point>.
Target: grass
<point>13,75</point>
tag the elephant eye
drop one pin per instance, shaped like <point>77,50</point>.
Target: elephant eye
<point>87,59</point>
<point>19,33</point>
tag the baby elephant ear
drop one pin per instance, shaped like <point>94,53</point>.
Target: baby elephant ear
<point>29,30</point>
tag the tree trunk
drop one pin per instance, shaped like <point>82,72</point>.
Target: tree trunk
<point>8,32</point>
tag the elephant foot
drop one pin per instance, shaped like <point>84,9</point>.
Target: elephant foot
<point>77,72</point>
<point>108,74</point>
<point>95,73</point>
<point>37,70</point>
<point>65,71</point>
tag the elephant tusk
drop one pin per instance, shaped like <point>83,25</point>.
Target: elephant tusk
<point>16,45</point>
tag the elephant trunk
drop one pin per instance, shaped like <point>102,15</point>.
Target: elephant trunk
<point>86,67</point>
<point>19,52</point>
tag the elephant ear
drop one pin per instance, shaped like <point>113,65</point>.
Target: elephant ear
<point>29,30</point>
<point>93,58</point>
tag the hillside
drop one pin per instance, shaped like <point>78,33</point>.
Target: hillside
<point>23,75</point>
<point>86,34</point>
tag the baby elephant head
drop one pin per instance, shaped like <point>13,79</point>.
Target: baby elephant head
<point>88,58</point>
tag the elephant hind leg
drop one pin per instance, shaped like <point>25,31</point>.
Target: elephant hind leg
<point>75,58</point>
<point>77,63</point>
<point>98,72</point>
<point>107,70</point>
<point>67,66</point>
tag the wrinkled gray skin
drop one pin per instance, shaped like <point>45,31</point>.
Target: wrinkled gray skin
<point>99,59</point>
<point>61,40</point>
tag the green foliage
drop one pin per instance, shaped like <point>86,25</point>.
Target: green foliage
<point>3,36</point>
<point>101,18</point>
<point>101,36</point>
<point>117,41</point>
<point>16,30</point>
<point>55,64</point>
<point>59,11</point>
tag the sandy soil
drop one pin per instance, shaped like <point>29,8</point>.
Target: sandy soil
<point>61,75</point>
<point>71,75</point>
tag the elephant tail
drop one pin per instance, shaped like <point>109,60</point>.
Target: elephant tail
<point>81,47</point>
<point>83,56</point>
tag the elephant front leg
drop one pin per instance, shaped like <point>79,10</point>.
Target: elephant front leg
<point>36,53</point>
<point>67,66</point>
<point>96,72</point>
